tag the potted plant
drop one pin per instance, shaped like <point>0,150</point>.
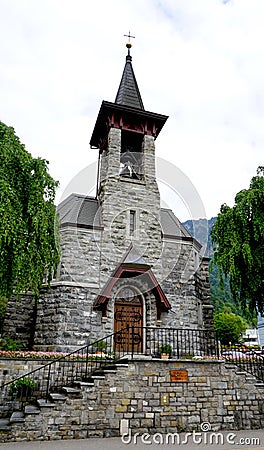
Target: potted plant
<point>22,388</point>
<point>165,350</point>
<point>101,347</point>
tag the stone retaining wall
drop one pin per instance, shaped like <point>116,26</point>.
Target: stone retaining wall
<point>142,397</point>
<point>14,368</point>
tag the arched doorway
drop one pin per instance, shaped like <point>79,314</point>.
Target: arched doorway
<point>128,319</point>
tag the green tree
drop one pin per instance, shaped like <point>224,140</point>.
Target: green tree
<point>229,327</point>
<point>3,303</point>
<point>28,221</point>
<point>239,235</point>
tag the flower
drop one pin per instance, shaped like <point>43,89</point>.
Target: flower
<point>20,354</point>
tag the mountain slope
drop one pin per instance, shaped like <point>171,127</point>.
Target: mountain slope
<point>221,296</point>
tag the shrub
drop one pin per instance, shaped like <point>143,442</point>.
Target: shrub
<point>9,344</point>
<point>22,386</point>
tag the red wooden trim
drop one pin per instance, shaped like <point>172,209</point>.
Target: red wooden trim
<point>102,299</point>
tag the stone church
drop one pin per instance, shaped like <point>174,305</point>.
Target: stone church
<point>124,260</point>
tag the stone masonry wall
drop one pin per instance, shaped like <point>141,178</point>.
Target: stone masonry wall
<point>80,256</point>
<point>178,283</point>
<point>66,318</point>
<point>142,398</point>
<point>19,320</point>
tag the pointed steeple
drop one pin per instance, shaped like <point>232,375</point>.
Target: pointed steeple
<point>128,92</point>
<point>127,112</point>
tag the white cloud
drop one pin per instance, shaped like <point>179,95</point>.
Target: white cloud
<point>200,62</point>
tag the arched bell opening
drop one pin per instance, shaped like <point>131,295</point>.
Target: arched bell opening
<point>131,155</point>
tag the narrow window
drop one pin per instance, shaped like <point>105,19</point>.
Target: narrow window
<point>132,222</point>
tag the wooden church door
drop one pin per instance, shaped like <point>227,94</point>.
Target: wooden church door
<point>128,319</point>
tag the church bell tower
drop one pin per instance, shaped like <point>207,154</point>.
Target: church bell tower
<point>127,189</point>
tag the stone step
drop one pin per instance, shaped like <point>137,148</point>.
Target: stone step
<point>260,384</point>
<point>72,392</point>
<point>17,416</point>
<point>30,409</point>
<point>55,397</point>
<point>121,361</point>
<point>84,384</point>
<point>42,403</point>
<point>109,367</point>
<point>98,372</point>
<point>87,380</point>
<point>5,425</point>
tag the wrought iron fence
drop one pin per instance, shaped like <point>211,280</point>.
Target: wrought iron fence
<point>181,343</point>
<point>247,360</point>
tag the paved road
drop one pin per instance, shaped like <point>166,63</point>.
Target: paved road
<point>239,440</point>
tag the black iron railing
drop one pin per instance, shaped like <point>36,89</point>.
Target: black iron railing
<point>249,361</point>
<point>63,371</point>
<point>181,343</point>
<point>80,365</point>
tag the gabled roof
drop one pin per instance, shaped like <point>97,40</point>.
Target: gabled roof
<point>128,92</point>
<point>128,271</point>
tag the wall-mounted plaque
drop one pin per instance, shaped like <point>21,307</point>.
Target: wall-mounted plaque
<point>179,376</point>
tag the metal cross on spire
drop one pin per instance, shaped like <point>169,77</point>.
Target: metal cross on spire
<point>129,36</point>
<point>129,45</point>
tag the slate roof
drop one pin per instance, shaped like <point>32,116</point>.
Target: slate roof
<point>128,92</point>
<point>171,226</point>
<point>127,108</point>
<point>80,211</point>
<point>83,212</point>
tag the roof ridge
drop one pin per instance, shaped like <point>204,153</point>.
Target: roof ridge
<point>75,194</point>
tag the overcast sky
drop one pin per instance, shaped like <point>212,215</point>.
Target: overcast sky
<point>201,62</point>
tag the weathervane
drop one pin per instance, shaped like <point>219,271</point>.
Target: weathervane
<point>129,45</point>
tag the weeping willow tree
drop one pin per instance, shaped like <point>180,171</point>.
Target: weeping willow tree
<point>29,247</point>
<point>239,237</point>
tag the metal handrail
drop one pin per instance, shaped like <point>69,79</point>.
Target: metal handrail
<point>249,361</point>
<point>79,365</point>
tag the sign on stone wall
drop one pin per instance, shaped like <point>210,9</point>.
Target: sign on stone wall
<point>179,376</point>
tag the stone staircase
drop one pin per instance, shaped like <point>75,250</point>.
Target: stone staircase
<point>129,393</point>
<point>248,377</point>
<point>23,424</point>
